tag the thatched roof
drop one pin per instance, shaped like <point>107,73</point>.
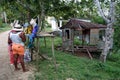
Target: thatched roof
<point>79,25</point>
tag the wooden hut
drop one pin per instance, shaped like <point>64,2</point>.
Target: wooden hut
<point>87,31</point>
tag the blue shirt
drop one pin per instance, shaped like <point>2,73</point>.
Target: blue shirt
<point>34,31</point>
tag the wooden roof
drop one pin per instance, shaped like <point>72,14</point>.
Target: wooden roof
<point>79,25</point>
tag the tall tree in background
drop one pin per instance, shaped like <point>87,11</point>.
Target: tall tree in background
<point>108,42</point>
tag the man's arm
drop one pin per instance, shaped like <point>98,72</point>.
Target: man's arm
<point>23,37</point>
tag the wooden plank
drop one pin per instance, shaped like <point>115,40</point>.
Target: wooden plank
<point>89,54</point>
<point>38,47</point>
<point>54,60</point>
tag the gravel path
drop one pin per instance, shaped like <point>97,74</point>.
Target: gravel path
<point>6,70</point>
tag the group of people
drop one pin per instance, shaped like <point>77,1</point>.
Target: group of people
<point>16,43</point>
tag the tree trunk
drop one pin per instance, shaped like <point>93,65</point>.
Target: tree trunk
<point>108,43</point>
<point>5,17</point>
<point>42,16</point>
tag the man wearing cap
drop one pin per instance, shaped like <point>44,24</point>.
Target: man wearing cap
<point>17,38</point>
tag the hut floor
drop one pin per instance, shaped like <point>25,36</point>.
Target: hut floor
<point>81,54</point>
<point>84,51</point>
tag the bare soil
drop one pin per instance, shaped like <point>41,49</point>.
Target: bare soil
<point>6,70</point>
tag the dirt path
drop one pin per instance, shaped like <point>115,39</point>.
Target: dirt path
<point>6,70</point>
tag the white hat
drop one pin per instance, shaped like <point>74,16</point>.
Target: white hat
<point>17,27</point>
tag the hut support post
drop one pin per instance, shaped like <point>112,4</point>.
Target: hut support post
<point>82,39</point>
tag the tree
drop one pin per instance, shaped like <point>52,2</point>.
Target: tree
<point>109,30</point>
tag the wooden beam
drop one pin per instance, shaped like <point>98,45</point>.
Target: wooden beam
<point>54,60</point>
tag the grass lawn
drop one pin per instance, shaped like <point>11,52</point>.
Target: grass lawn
<point>4,28</point>
<point>71,67</point>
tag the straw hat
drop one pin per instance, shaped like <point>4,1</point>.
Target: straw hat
<point>17,27</point>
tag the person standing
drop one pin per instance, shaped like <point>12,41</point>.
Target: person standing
<point>33,34</point>
<point>17,38</point>
<point>10,45</point>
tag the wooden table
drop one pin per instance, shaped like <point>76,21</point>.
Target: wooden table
<point>44,35</point>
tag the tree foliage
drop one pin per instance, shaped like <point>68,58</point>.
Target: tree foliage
<point>60,9</point>
<point>117,28</point>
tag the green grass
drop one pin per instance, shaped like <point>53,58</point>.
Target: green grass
<point>4,27</point>
<point>77,68</point>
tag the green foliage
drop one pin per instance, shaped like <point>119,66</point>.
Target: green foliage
<point>117,29</point>
<point>0,21</point>
<point>47,24</point>
<point>4,27</point>
<point>116,38</point>
<point>77,41</point>
<point>98,19</point>
<point>114,57</point>
<point>57,8</point>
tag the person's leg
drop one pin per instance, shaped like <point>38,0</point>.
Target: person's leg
<point>22,63</point>
<point>21,51</point>
<point>10,54</point>
<point>11,57</point>
<point>15,61</point>
<point>15,56</point>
